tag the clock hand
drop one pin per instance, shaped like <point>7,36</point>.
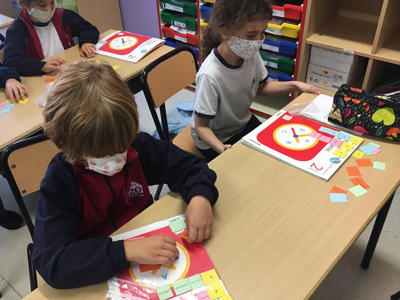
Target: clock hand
<point>296,137</point>
<point>123,42</point>
<point>300,135</point>
<point>293,131</point>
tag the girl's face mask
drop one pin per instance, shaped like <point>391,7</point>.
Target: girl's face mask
<point>41,15</point>
<point>244,48</point>
<point>109,165</point>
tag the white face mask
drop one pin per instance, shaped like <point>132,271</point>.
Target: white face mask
<point>244,48</point>
<point>109,165</point>
<point>40,15</point>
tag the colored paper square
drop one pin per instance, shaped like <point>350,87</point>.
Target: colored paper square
<point>312,133</point>
<point>146,268</point>
<point>324,129</point>
<point>10,101</point>
<point>347,146</point>
<point>177,225</point>
<point>344,136</point>
<point>209,277</point>
<point>336,190</point>
<point>355,140</point>
<point>181,286</point>
<point>374,145</point>
<point>379,165</point>
<point>358,154</point>
<point>216,291</point>
<point>358,190</point>
<point>3,104</point>
<point>325,139</point>
<point>376,151</point>
<point>364,163</point>
<point>362,182</point>
<point>50,79</point>
<point>353,171</point>
<point>335,133</point>
<point>340,153</point>
<point>23,101</point>
<point>116,67</point>
<point>338,198</point>
<point>48,87</point>
<point>196,281</point>
<point>227,297</point>
<point>355,181</point>
<point>203,295</point>
<point>89,59</point>
<point>164,292</point>
<point>338,143</point>
<point>317,135</point>
<point>184,234</point>
<point>333,141</point>
<point>367,149</point>
<point>329,131</point>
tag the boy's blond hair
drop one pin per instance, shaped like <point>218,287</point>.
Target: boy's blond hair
<point>90,112</point>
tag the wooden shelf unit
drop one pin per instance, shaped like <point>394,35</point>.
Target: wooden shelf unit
<point>367,28</point>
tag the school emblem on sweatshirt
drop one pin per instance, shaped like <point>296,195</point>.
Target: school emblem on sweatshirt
<point>136,190</point>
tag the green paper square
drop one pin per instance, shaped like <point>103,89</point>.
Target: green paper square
<point>177,225</point>
<point>374,145</point>
<point>196,281</point>
<point>164,292</point>
<point>379,165</point>
<point>358,190</point>
<point>181,286</point>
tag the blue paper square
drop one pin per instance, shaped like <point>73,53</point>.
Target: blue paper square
<point>338,198</point>
<point>367,149</point>
<point>344,136</point>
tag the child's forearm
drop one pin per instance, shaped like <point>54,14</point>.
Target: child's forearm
<point>274,88</point>
<point>208,137</point>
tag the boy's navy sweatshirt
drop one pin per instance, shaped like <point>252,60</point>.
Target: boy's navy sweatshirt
<point>7,73</point>
<point>23,50</point>
<point>79,208</point>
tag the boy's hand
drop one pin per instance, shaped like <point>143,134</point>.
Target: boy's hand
<point>199,219</point>
<point>154,250</point>
<point>87,50</point>
<point>15,89</point>
<point>307,88</point>
<point>53,64</point>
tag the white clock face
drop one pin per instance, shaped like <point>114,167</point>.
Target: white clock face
<point>123,42</point>
<point>295,136</point>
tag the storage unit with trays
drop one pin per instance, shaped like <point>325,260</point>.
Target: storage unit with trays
<point>367,29</point>
<point>280,51</point>
<point>179,23</point>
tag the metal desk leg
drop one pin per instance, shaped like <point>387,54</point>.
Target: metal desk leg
<point>376,232</point>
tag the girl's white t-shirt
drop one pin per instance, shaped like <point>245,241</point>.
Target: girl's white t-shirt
<point>224,94</point>
<point>49,39</point>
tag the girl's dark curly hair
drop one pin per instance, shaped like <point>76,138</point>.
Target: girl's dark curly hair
<point>231,15</point>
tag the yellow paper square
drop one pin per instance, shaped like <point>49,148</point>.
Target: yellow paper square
<point>340,153</point>
<point>358,154</point>
<point>23,101</point>
<point>227,297</point>
<point>116,67</point>
<point>10,101</point>
<point>216,291</point>
<point>355,140</point>
<point>347,146</point>
<point>209,277</point>
<point>89,59</point>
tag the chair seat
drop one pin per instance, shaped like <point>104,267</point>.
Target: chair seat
<point>184,141</point>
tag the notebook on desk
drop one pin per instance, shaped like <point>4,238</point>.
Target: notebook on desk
<point>302,143</point>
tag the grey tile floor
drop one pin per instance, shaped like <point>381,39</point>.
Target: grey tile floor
<point>347,281</point>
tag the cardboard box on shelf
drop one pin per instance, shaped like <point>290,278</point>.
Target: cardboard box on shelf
<point>344,57</point>
<point>331,79</point>
<point>337,65</point>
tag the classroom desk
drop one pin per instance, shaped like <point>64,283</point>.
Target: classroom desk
<point>5,21</point>
<point>26,119</point>
<point>276,233</point>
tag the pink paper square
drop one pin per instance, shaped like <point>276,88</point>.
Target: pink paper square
<point>338,143</point>
<point>325,139</point>
<point>314,134</point>
<point>3,104</point>
<point>333,141</point>
<point>376,151</point>
<point>203,295</point>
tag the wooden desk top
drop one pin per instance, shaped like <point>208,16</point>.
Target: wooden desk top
<point>25,119</point>
<point>276,233</point>
<point>5,21</point>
